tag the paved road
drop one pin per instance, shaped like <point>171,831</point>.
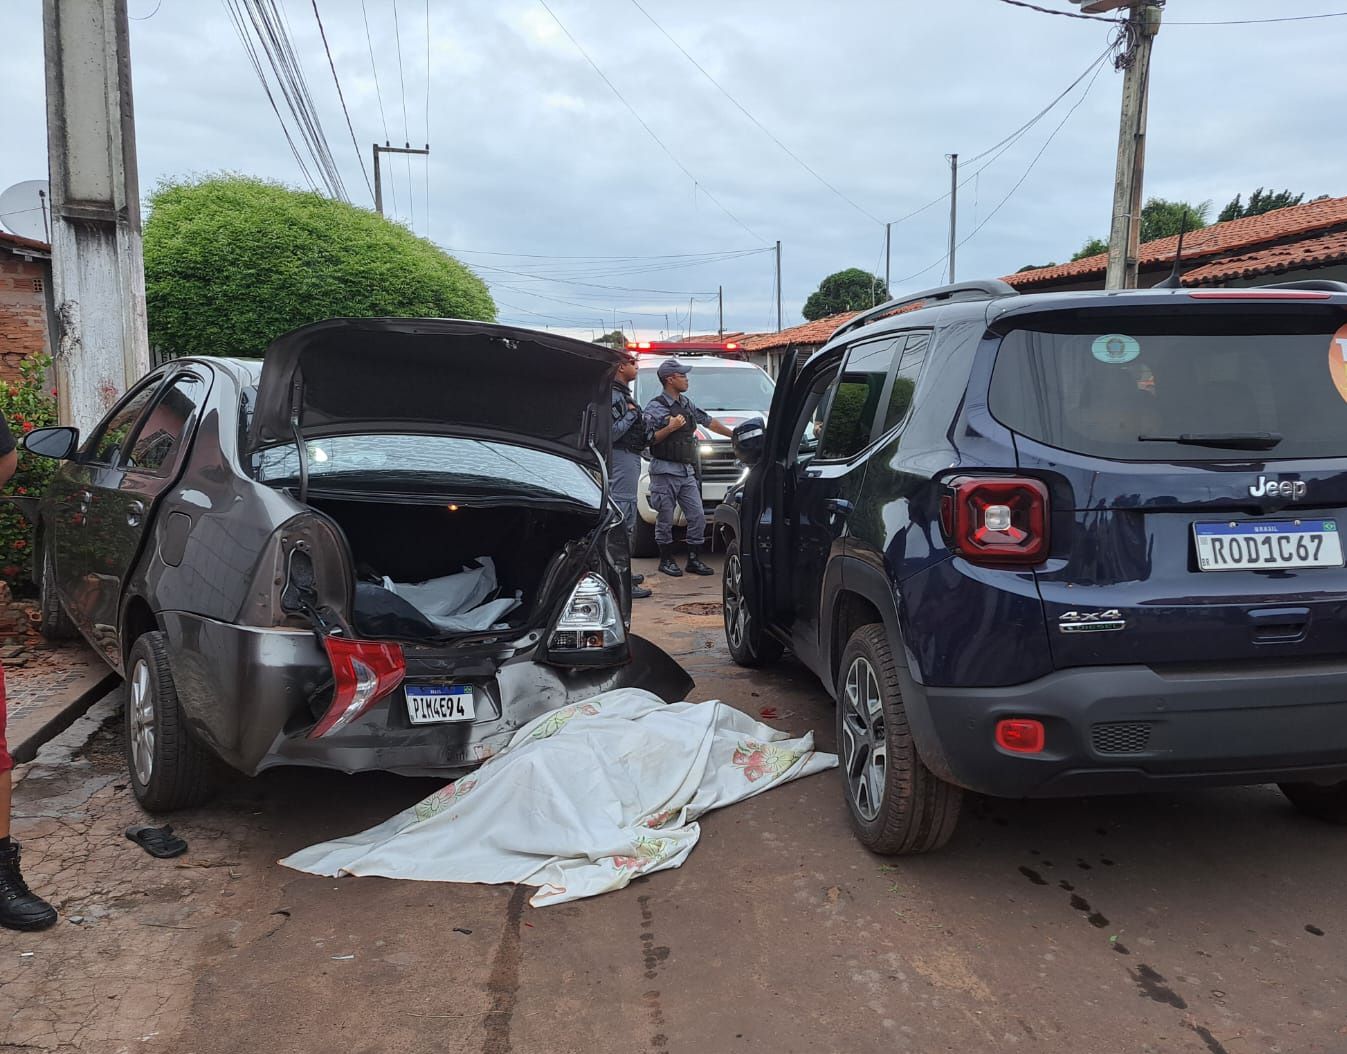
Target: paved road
<point>1199,923</point>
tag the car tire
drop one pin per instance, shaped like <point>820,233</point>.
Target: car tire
<point>643,541</point>
<point>1327,802</point>
<point>54,623</point>
<point>749,644</point>
<point>897,805</point>
<point>169,768</point>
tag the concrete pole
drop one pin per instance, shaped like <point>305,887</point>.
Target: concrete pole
<point>778,285</point>
<point>378,184</point>
<point>953,211</point>
<point>720,306</point>
<point>98,271</point>
<point>1125,233</point>
<point>888,227</point>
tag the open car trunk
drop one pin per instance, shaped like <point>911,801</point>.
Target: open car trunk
<point>497,553</point>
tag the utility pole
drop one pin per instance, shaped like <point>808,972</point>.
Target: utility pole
<point>405,148</point>
<point>98,271</point>
<point>953,211</point>
<point>720,305</point>
<point>888,227</point>
<point>1124,240</point>
<point>778,285</point>
<point>689,318</point>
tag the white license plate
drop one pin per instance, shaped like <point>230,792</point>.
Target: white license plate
<point>1267,546</point>
<point>439,703</point>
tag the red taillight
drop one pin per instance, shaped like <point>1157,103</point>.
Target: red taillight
<point>997,521</point>
<point>1020,735</point>
<point>363,672</point>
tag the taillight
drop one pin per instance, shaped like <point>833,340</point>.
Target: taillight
<point>363,672</point>
<point>996,520</point>
<point>1020,735</point>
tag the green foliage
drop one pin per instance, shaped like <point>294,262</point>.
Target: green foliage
<point>849,290</point>
<point>231,263</point>
<point>26,405</point>
<point>1093,247</point>
<point>1036,267</point>
<point>615,339</point>
<point>1260,201</point>
<point>1163,219</point>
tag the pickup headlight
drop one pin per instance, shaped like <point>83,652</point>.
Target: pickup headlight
<point>590,630</point>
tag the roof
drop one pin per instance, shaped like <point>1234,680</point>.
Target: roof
<point>814,333</point>
<point>706,338</point>
<point>1220,239</point>
<point>1293,256</point>
<point>25,246</point>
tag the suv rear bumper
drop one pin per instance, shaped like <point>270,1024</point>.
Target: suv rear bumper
<point>1124,729</point>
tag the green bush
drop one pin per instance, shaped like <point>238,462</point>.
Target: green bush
<point>26,404</point>
<point>231,263</point>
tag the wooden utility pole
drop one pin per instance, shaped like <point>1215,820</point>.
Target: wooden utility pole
<point>1125,233</point>
<point>405,148</point>
<point>888,227</point>
<point>98,271</point>
<point>953,211</point>
<point>720,306</point>
<point>778,285</point>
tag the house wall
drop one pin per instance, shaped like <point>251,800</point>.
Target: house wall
<point>23,312</point>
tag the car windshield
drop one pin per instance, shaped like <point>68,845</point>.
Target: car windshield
<point>715,388</point>
<point>414,460</point>
<point>1208,386</point>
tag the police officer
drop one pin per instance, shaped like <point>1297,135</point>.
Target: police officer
<point>673,420</point>
<point>630,437</point>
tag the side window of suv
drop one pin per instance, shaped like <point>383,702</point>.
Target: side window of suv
<point>905,380</point>
<point>856,398</point>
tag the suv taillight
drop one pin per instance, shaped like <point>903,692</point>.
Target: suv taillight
<point>363,672</point>
<point>996,520</point>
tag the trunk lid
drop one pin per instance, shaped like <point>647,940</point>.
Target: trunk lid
<point>1133,576</point>
<point>427,376</point>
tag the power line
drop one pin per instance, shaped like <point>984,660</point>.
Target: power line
<point>1063,14</point>
<point>378,94</point>
<point>406,132</point>
<point>427,117</point>
<point>666,256</point>
<point>359,154</point>
<point>1259,21</point>
<point>760,126</point>
<point>649,131</point>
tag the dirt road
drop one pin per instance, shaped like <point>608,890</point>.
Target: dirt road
<point>1201,923</point>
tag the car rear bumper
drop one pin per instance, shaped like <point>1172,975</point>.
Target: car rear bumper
<point>1123,729</point>
<point>246,693</point>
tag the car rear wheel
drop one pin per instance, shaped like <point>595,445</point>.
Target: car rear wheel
<point>748,643</point>
<point>1327,802</point>
<point>55,624</point>
<point>897,804</point>
<point>169,768</point>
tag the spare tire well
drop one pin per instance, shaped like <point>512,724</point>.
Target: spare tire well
<point>851,612</point>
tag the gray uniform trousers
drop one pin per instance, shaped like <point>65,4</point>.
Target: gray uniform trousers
<point>624,477</point>
<point>668,492</point>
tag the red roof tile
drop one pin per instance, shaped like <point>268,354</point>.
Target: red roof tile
<point>1311,252</point>
<point>13,241</point>
<point>1218,239</point>
<point>814,333</point>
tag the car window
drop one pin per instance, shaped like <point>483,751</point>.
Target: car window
<point>155,446</point>
<point>107,444</point>
<point>856,398</point>
<point>905,380</point>
<point>714,387</point>
<point>809,420</point>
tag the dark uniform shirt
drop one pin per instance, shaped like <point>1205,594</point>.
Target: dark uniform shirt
<point>626,415</point>
<point>657,414</point>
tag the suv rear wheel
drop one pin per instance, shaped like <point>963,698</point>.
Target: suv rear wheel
<point>169,768</point>
<point>1327,802</point>
<point>897,804</point>
<point>748,644</point>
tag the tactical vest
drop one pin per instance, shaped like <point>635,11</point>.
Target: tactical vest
<point>679,446</point>
<point>633,439</point>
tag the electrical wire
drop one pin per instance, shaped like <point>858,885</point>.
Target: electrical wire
<point>649,131</point>
<point>1063,14</point>
<point>406,132</point>
<point>760,126</point>
<point>1258,21</point>
<point>379,95</point>
<point>666,256</point>
<point>359,154</point>
<point>427,117</point>
<point>142,18</point>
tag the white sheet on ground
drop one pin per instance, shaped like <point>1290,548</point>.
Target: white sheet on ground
<point>457,603</point>
<point>581,801</point>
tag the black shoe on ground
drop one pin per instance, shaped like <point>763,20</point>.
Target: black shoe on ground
<point>636,580</point>
<point>695,565</point>
<point>667,564</point>
<point>640,592</point>
<point>20,908</point>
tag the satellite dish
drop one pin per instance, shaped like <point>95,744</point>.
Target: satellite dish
<point>25,210</point>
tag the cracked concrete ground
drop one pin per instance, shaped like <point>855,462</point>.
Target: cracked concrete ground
<point>1203,923</point>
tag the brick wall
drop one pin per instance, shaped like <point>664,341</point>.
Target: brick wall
<point>23,312</point>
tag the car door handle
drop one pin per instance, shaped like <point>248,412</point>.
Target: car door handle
<point>135,513</point>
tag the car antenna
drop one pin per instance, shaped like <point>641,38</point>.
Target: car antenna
<point>1175,281</point>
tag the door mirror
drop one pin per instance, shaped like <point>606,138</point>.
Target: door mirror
<point>60,443</point>
<point>749,441</point>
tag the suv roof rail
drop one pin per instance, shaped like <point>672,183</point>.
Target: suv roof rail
<point>1325,284</point>
<point>987,289</point>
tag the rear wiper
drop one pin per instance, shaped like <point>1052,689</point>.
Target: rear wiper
<point>1221,440</point>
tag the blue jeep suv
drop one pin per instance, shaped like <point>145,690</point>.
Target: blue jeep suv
<point>1058,544</point>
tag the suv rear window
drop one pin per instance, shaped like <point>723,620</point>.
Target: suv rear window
<point>1094,383</point>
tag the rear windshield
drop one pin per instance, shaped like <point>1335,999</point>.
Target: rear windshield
<point>1095,386</point>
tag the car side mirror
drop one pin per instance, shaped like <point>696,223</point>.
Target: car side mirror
<point>59,443</point>
<point>749,441</point>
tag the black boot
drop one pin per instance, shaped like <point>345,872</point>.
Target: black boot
<point>667,564</point>
<point>636,580</point>
<point>20,908</point>
<point>695,565</point>
<point>639,592</point>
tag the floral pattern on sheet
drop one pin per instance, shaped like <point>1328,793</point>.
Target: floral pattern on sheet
<point>763,760</point>
<point>555,722</point>
<point>649,851</point>
<point>443,799</point>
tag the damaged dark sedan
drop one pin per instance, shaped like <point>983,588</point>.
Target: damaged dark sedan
<point>387,546</point>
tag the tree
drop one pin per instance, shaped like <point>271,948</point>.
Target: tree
<point>1260,201</point>
<point>1163,219</point>
<point>849,290</point>
<point>1093,247</point>
<point>615,339</point>
<point>1036,267</point>
<point>231,263</point>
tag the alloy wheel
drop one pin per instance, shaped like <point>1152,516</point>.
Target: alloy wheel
<point>735,607</point>
<point>143,725</point>
<point>864,745</point>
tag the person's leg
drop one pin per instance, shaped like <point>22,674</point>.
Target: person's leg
<point>690,500</point>
<point>20,909</point>
<point>628,506</point>
<point>663,495</point>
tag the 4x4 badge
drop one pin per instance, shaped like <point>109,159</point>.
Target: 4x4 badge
<point>1092,621</point>
<point>1295,489</point>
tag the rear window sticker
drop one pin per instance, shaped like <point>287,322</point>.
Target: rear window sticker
<point>1116,349</point>
<point>1337,361</point>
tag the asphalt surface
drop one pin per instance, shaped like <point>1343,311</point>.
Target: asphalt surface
<point>1202,922</point>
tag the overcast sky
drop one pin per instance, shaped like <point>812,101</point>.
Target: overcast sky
<point>532,153</point>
